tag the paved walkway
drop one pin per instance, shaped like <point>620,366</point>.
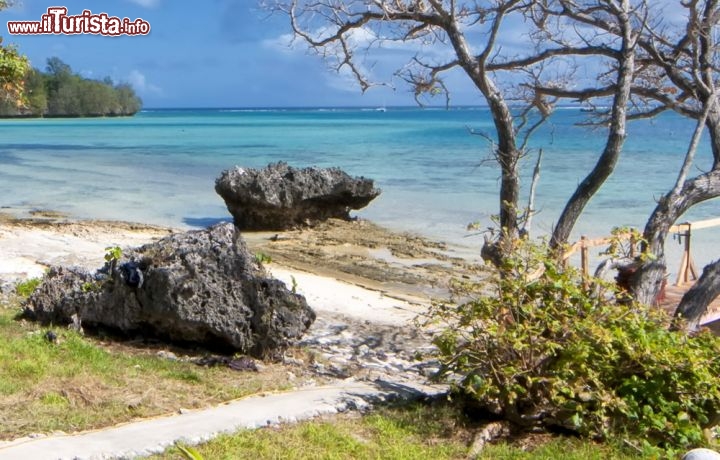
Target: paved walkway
<point>155,435</point>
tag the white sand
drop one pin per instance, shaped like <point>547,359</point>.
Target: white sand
<point>327,295</point>
<point>26,252</point>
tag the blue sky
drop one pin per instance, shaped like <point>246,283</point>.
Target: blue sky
<point>230,53</point>
<point>217,53</point>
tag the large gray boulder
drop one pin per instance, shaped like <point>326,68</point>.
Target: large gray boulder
<point>281,197</point>
<point>199,287</point>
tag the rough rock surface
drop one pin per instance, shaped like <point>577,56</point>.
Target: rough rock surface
<point>198,287</point>
<point>280,197</point>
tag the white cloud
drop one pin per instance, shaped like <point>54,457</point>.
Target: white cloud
<point>138,81</point>
<point>284,43</point>
<point>376,58</point>
<point>146,3</point>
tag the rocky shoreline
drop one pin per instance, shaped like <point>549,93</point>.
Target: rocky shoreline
<point>367,285</point>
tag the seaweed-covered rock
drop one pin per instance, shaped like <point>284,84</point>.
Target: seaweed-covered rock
<point>281,197</point>
<point>199,287</point>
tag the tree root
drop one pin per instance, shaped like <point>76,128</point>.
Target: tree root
<point>486,434</point>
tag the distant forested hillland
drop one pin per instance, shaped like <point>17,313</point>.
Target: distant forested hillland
<point>58,92</point>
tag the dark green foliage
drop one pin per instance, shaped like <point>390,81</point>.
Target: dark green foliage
<point>546,350</point>
<point>59,92</point>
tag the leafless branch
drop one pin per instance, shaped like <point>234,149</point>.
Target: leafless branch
<point>530,210</point>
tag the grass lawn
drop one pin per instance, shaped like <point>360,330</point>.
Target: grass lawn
<point>82,383</point>
<point>414,432</point>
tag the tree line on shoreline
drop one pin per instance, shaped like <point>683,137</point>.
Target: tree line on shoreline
<point>59,92</point>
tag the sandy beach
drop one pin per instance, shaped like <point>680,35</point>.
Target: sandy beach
<point>357,252</point>
<point>363,281</point>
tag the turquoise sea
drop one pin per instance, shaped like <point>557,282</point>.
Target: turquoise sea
<point>160,166</point>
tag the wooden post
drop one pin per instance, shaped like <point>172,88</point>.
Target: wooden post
<point>688,262</point>
<point>687,272</point>
<point>584,256</point>
<point>691,270</point>
<point>683,261</point>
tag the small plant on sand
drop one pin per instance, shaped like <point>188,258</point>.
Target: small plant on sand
<point>545,350</point>
<point>27,287</point>
<point>113,254</point>
<point>263,258</point>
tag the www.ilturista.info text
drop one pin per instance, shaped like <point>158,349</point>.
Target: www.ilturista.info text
<point>57,21</point>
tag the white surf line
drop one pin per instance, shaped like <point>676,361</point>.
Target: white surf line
<point>153,436</point>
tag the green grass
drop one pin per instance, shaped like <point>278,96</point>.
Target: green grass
<point>82,383</point>
<point>560,448</point>
<point>371,437</point>
<point>403,433</point>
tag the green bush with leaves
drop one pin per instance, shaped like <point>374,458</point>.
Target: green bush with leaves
<point>549,350</point>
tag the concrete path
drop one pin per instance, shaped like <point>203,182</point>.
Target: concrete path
<point>155,435</point>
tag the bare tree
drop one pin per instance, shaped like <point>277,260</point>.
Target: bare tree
<point>626,21</point>
<point>681,73</point>
<point>331,26</point>
<point>676,70</point>
<point>645,66</point>
<point>557,35</point>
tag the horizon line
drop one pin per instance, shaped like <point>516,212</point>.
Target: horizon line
<point>300,107</point>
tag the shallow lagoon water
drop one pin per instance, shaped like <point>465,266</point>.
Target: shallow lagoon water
<point>160,166</point>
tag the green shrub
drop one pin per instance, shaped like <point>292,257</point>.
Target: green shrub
<point>27,287</point>
<point>547,350</point>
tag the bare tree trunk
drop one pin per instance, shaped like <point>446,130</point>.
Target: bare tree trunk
<point>695,302</point>
<point>616,137</point>
<point>647,280</point>
<point>530,211</point>
<point>508,156</point>
<point>700,81</point>
<point>507,152</point>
